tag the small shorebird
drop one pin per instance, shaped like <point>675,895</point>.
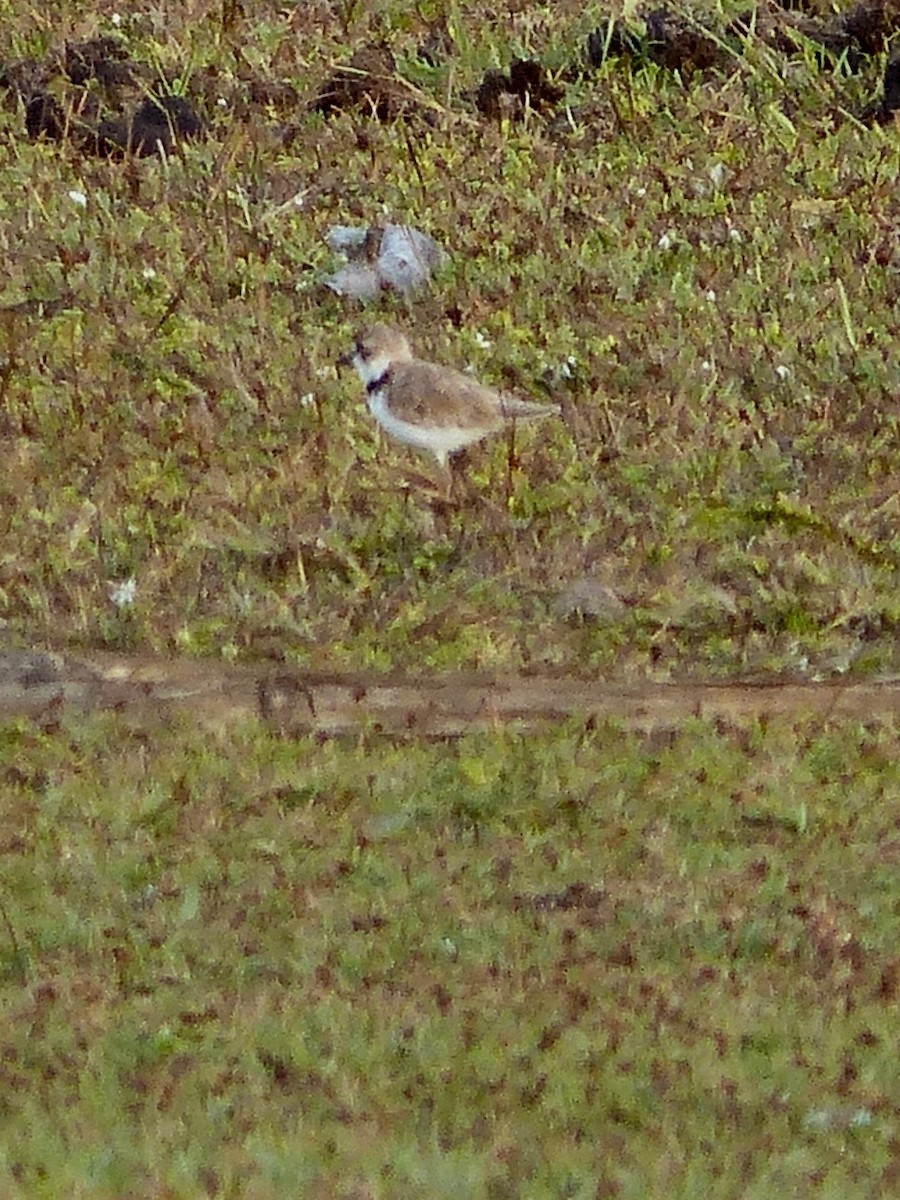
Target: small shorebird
<point>426,405</point>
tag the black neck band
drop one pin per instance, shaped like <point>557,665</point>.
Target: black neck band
<point>375,385</point>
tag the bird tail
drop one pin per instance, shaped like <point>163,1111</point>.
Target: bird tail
<point>515,409</point>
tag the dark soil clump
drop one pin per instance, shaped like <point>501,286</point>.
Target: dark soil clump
<point>526,86</point>
<point>882,111</point>
<point>62,102</point>
<point>683,43</point>
<point>101,58</point>
<point>158,124</point>
<point>368,84</point>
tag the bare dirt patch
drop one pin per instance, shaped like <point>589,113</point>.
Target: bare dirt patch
<point>297,701</point>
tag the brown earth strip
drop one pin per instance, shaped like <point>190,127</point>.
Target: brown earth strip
<point>42,685</point>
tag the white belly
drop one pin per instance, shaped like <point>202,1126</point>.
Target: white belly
<point>441,440</point>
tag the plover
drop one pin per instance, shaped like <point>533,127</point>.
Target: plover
<point>426,405</point>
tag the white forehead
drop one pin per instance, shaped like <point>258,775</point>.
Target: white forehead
<point>385,341</point>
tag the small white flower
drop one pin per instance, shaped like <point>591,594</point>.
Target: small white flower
<point>116,19</point>
<point>711,296</point>
<point>735,235</point>
<point>148,273</point>
<point>665,242</point>
<point>78,198</point>
<point>483,342</point>
<point>640,192</point>
<point>307,400</point>
<point>783,372</point>
<point>706,366</point>
<point>122,593</point>
<point>222,102</point>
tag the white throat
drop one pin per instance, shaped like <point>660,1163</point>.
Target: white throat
<point>371,369</point>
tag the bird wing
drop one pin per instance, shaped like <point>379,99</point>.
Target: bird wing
<point>426,393</point>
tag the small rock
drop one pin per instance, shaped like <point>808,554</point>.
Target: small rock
<point>398,258</point>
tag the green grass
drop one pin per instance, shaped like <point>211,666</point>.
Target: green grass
<point>543,967</point>
<point>578,964</point>
<point>704,281</point>
<point>508,966</point>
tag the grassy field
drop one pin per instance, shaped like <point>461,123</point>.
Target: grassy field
<point>579,964</point>
<point>576,965</point>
